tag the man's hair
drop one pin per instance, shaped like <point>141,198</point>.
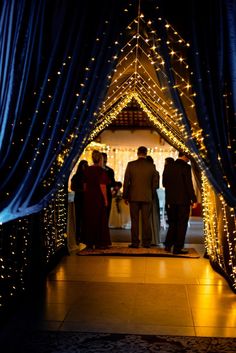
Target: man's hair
<point>181,154</point>
<point>142,150</point>
<point>96,156</point>
<point>104,154</point>
<point>184,157</point>
<point>169,160</point>
<point>150,159</point>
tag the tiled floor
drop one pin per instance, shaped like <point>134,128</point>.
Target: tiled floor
<point>175,296</point>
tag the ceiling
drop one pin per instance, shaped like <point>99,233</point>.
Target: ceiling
<point>132,117</point>
<point>139,95</point>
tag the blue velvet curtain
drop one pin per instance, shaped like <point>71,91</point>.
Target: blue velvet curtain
<point>55,59</point>
<point>211,28</point>
<point>214,62</point>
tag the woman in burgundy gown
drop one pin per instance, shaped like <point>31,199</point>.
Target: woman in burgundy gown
<point>96,231</point>
<point>77,185</point>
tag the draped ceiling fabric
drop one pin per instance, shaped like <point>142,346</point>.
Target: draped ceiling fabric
<point>68,67</point>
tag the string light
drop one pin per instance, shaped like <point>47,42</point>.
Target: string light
<point>219,231</point>
<point>55,224</point>
<point>140,75</point>
<point>119,156</point>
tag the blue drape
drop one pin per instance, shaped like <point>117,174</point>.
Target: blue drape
<point>211,29</point>
<point>214,61</point>
<point>55,59</point>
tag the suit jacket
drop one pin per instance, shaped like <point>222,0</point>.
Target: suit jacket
<point>111,176</point>
<point>177,180</point>
<point>140,181</point>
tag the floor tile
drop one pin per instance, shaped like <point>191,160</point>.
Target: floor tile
<point>161,296</point>
<point>214,317</point>
<point>215,331</point>
<point>161,316</point>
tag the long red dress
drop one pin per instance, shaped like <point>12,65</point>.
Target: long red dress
<point>96,231</point>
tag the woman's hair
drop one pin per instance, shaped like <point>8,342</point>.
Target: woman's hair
<point>150,159</point>
<point>82,164</point>
<point>118,184</point>
<point>169,160</point>
<point>96,156</point>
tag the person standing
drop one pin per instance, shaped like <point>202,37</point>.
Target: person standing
<point>111,183</point>
<point>140,184</point>
<point>168,163</point>
<point>180,195</point>
<point>96,231</point>
<point>155,216</point>
<point>77,184</point>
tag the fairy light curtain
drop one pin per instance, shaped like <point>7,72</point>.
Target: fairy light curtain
<point>118,157</point>
<point>212,31</point>
<point>55,57</point>
<point>214,46</point>
<point>140,75</point>
<point>55,63</point>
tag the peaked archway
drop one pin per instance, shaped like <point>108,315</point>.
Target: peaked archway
<point>56,59</point>
<point>140,75</point>
<point>164,92</point>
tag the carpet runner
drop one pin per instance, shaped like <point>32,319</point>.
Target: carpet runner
<point>125,251</point>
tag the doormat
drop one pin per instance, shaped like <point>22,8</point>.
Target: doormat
<point>126,251</point>
<point>79,342</point>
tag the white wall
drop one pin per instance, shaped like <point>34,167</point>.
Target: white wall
<point>134,138</point>
<point>121,147</point>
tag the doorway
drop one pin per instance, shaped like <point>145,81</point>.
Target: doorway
<point>121,145</point>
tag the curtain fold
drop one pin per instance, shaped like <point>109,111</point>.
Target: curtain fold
<point>211,27</point>
<point>55,61</point>
<point>213,58</point>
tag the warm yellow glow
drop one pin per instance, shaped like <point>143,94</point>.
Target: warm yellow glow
<point>216,227</point>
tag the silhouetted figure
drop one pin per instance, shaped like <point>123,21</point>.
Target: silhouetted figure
<point>180,196</point>
<point>155,215</point>
<point>140,183</point>
<point>96,232</point>
<point>111,183</point>
<point>77,185</point>
<point>168,163</point>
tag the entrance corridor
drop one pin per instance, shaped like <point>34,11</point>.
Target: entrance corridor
<point>148,295</point>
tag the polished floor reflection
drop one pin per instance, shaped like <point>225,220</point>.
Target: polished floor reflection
<point>150,295</point>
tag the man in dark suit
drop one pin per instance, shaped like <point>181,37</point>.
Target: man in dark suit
<point>111,176</point>
<point>180,195</point>
<point>140,184</point>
